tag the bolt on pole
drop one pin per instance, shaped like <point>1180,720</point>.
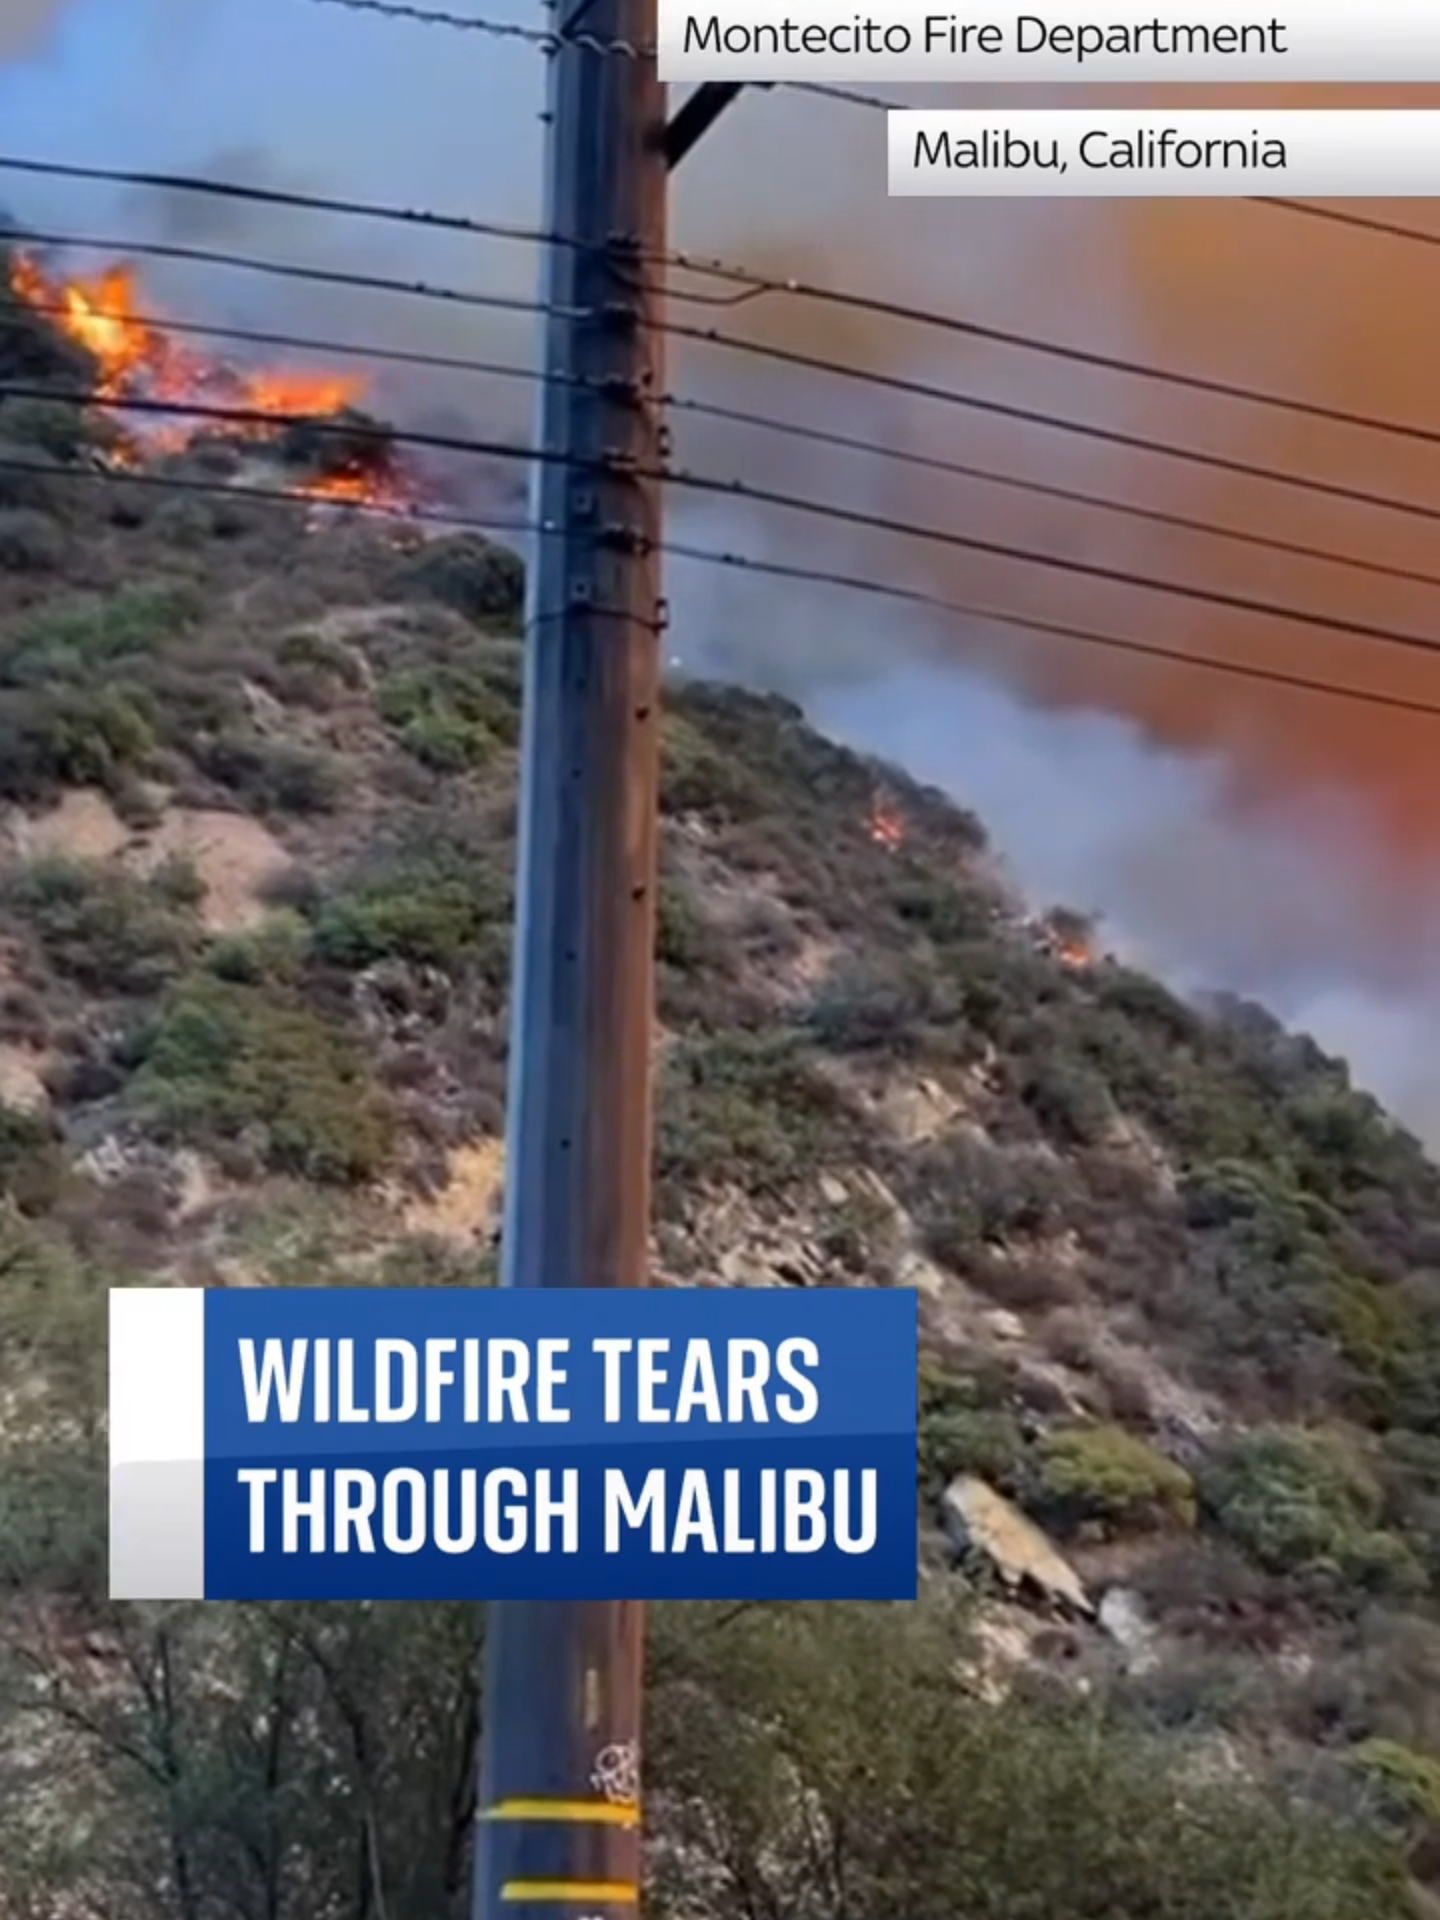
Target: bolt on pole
<point>559,1813</point>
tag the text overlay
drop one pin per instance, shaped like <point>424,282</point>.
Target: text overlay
<point>1157,155</point>
<point>394,1443</point>
<point>1080,41</point>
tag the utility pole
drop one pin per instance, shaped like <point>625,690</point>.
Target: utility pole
<point>559,1832</point>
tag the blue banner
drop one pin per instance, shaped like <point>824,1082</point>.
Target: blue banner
<point>387,1444</point>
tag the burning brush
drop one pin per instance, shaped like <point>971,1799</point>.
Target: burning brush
<point>1068,937</point>
<point>134,357</point>
<point>886,825</point>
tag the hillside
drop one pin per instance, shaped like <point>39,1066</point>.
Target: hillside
<point>1180,1281</point>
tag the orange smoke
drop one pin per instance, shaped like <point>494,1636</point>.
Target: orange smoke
<point>1234,290</point>
<point>1345,318</point>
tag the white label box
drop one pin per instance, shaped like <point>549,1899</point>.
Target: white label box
<point>1147,42</point>
<point>1291,153</point>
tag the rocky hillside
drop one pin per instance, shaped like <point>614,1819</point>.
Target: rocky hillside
<point>1180,1473</point>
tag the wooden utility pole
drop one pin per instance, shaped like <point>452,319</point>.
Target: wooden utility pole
<point>559,1833</point>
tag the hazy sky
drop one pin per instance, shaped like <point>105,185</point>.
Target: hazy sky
<point>171,82</point>
<point>316,97</point>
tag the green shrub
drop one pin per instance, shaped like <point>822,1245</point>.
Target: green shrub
<point>966,1427</point>
<point>755,1110</point>
<point>75,639</point>
<point>1104,1474</point>
<point>697,776</point>
<point>32,1163</point>
<point>272,776</point>
<point>225,1063</point>
<point>275,951</point>
<point>1297,1504</point>
<point>441,902</point>
<point>105,929</point>
<point>473,577</point>
<point>682,938</point>
<point>449,718</point>
<point>884,1007</point>
<point>968,1195</point>
<point>418,1261</point>
<point>62,430</point>
<point>311,649</point>
<point>1069,1099</point>
<point>30,542</point>
<point>925,1802</point>
<point>57,737</point>
<point>1406,1782</point>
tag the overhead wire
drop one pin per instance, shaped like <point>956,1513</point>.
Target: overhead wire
<point>754,285</point>
<point>1344,217</point>
<point>866,520</point>
<point>749,283</point>
<point>491,525</point>
<point>483,24</point>
<point>353,281</point>
<point>873,378</point>
<point>332,425</point>
<point>473,23</point>
<point>1032,416</point>
<point>797,431</point>
<point>273,340</point>
<point>1072,355</point>
<point>862,519</point>
<point>844,95</point>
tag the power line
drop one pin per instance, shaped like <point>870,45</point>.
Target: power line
<point>846,96</point>
<point>754,285</point>
<point>736,489</point>
<point>478,23</point>
<point>471,23</point>
<point>1048,490</point>
<point>763,350</point>
<point>242,416</point>
<point>859,518</point>
<point>865,520</point>
<point>1362,222</point>
<point>1031,416</point>
<point>887,592</point>
<point>784,429</point>
<point>271,197</point>
<point>303,343</point>
<point>1024,623</point>
<point>1214,388</point>
<point>277,269</point>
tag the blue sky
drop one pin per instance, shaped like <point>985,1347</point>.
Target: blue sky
<point>382,108</point>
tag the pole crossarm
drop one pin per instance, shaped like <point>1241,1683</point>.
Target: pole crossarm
<point>694,118</point>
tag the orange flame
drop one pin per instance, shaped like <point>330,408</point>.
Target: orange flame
<point>886,827</point>
<point>137,359</point>
<point>1065,941</point>
<point>1071,953</point>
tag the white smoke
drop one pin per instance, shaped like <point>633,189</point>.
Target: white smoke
<point>1088,814</point>
<point>25,25</point>
<point>1275,905</point>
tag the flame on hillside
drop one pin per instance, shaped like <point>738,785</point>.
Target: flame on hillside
<point>138,359</point>
<point>1066,939</point>
<point>885,825</point>
<point>1073,953</point>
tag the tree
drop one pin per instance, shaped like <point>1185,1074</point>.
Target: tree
<point>809,1763</point>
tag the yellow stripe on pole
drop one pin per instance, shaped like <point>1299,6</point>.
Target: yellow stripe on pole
<point>599,1893</point>
<point>592,1813</point>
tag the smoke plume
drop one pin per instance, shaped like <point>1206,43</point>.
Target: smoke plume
<point>25,25</point>
<point>1286,843</point>
<point>1282,842</point>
